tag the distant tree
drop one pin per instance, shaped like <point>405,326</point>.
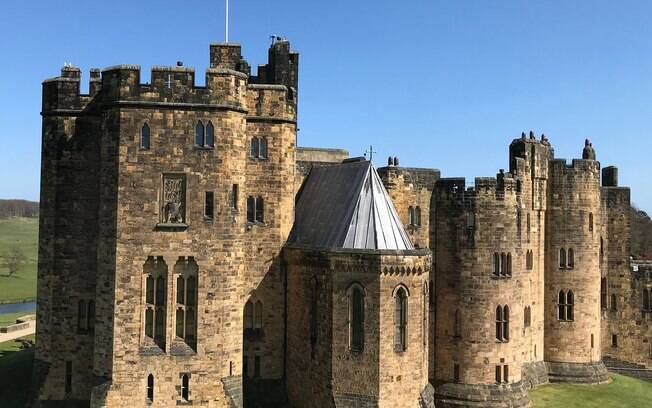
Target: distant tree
<point>641,233</point>
<point>18,208</point>
<point>13,259</point>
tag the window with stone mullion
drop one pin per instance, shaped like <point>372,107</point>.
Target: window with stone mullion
<point>186,314</point>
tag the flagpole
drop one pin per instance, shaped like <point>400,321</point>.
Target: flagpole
<point>226,28</point>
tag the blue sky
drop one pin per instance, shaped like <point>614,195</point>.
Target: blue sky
<point>438,84</point>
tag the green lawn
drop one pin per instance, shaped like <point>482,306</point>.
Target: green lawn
<point>10,318</point>
<point>24,233</point>
<point>15,373</point>
<point>620,393</point>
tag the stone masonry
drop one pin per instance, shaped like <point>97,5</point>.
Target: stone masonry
<point>164,278</point>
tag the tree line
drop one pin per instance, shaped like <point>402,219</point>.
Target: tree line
<point>18,208</point>
<point>641,234</point>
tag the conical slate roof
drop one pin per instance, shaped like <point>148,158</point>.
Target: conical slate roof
<point>347,206</point>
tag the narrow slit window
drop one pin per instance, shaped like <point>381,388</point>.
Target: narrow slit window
<point>356,319</point>
<point>185,387</point>
<point>234,196</point>
<point>260,210</point>
<point>255,147</point>
<point>400,320</point>
<point>68,382</point>
<point>199,134</point>
<point>263,148</point>
<point>150,388</point>
<point>144,137</point>
<point>210,135</point>
<point>209,202</point>
<point>251,209</point>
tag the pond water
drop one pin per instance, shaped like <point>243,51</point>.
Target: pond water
<point>18,307</point>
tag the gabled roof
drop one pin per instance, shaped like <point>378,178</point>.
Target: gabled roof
<point>347,206</point>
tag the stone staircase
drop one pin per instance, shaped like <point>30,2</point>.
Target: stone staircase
<point>629,369</point>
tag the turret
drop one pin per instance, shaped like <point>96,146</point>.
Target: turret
<point>572,278</point>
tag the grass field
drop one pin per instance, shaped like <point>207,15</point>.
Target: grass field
<point>620,393</point>
<point>16,373</point>
<point>24,233</point>
<point>10,318</point>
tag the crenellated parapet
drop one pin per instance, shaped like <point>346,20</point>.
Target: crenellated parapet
<point>228,85</point>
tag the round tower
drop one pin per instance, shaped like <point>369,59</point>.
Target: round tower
<point>481,273</point>
<point>572,272</point>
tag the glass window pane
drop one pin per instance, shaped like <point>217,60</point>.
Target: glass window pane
<point>263,148</point>
<point>249,316</point>
<point>160,291</point>
<point>260,210</point>
<point>210,135</point>
<point>190,323</point>
<point>180,323</point>
<point>149,323</point>
<point>199,134</point>
<point>192,292</point>
<point>149,296</point>
<point>181,290</point>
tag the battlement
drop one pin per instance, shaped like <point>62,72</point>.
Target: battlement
<point>529,155</point>
<point>228,85</point>
<point>420,177</point>
<point>561,166</point>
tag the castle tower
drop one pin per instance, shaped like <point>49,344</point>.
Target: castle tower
<point>164,208</point>
<point>358,297</point>
<point>572,276</point>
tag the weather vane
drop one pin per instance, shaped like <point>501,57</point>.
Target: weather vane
<point>371,152</point>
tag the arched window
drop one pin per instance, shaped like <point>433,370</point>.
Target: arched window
<point>150,388</point>
<point>506,323</point>
<point>528,227</point>
<point>210,135</point>
<point>508,271</point>
<point>590,222</point>
<point>417,216</point>
<point>400,320</point>
<point>251,209</point>
<point>185,387</point>
<point>457,329</point>
<point>497,264</point>
<point>529,260</point>
<point>199,134</point>
<point>502,323</point>
<point>499,323</point>
<point>155,301</point>
<point>614,302</point>
<point>356,318</point>
<point>562,258</point>
<point>527,316</point>
<point>561,313</point>
<point>410,215</point>
<point>263,148</point>
<point>314,319</point>
<point>255,147</point>
<point>186,271</point>
<point>260,210</point>
<point>258,315</point>
<point>603,293</point>
<point>249,315</point>
<point>144,136</point>
<point>571,258</point>
<point>82,317</point>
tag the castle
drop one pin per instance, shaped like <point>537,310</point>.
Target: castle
<point>190,254</point>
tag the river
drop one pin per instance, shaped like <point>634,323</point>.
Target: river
<point>18,307</point>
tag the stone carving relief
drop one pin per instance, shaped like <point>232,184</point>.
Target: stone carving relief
<point>174,192</point>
